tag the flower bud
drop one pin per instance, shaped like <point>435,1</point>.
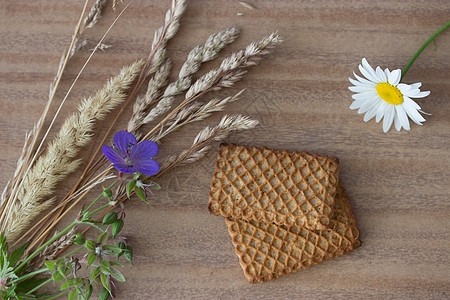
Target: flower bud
<point>79,239</point>
<point>110,218</point>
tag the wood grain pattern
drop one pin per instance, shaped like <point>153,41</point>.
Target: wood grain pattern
<point>398,182</point>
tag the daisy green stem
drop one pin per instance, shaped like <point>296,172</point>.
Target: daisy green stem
<point>431,39</point>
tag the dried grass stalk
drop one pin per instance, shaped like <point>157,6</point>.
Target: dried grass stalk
<point>60,158</point>
<point>203,140</point>
<point>200,54</point>
<point>230,71</point>
<point>195,112</point>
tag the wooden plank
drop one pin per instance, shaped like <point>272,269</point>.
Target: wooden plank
<point>398,182</point>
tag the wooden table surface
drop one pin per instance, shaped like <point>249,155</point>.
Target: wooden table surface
<point>398,182</point>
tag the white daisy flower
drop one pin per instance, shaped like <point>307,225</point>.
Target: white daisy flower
<point>381,95</point>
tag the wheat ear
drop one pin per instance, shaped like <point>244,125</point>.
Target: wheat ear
<point>203,140</point>
<point>60,158</point>
<point>200,54</point>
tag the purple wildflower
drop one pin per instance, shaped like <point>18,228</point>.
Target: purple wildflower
<point>129,157</point>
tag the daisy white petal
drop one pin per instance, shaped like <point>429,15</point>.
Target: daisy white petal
<point>366,106</point>
<point>369,68</point>
<point>369,74</point>
<point>381,111</point>
<point>412,112</point>
<point>364,81</point>
<point>394,77</point>
<point>357,89</point>
<point>402,117</point>
<point>388,118</point>
<point>381,75</point>
<point>397,123</point>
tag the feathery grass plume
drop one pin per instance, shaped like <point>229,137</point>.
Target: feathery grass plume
<point>32,137</point>
<point>200,54</point>
<point>90,20</point>
<point>195,112</point>
<point>203,140</point>
<point>60,158</point>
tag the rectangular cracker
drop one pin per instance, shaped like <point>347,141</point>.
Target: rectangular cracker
<point>267,251</point>
<point>284,187</point>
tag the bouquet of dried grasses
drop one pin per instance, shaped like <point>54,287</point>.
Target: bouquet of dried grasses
<point>29,197</point>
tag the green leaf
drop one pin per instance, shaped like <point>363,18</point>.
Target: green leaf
<point>109,218</point>
<point>155,186</point>
<point>116,263</point>
<point>70,283</point>
<point>117,227</point>
<point>79,239</point>
<point>90,245</point>
<point>140,193</point>
<point>57,276</point>
<point>105,281</point>
<point>114,250</point>
<point>104,295</point>
<point>63,270</point>
<point>105,270</point>
<point>3,243</point>
<point>117,275</point>
<point>91,258</point>
<point>102,238</point>
<point>73,295</point>
<point>50,265</point>
<point>130,188</point>
<point>17,254</point>
<point>27,285</point>
<point>94,274</point>
<point>105,262</point>
<point>128,254</point>
<point>88,292</point>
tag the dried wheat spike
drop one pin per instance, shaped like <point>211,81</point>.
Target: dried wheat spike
<point>267,251</point>
<point>284,187</point>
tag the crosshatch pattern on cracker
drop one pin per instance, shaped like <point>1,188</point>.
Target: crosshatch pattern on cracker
<point>284,187</point>
<point>267,251</point>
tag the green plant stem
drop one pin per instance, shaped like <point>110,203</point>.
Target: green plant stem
<point>74,251</point>
<point>431,39</point>
<point>39,286</point>
<point>56,296</point>
<point>30,257</point>
<point>26,276</point>
<point>99,209</point>
<point>100,196</point>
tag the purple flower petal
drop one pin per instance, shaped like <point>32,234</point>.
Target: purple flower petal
<point>123,141</point>
<point>124,168</point>
<point>144,150</point>
<point>147,167</point>
<point>112,155</point>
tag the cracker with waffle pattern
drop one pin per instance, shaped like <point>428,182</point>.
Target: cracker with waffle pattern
<point>282,187</point>
<point>267,251</point>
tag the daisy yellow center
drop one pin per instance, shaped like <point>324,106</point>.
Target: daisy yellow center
<point>389,93</point>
